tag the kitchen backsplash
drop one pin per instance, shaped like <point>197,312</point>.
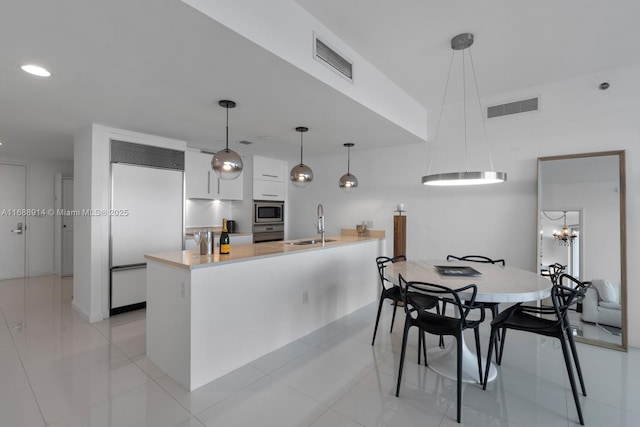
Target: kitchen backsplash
<point>206,213</point>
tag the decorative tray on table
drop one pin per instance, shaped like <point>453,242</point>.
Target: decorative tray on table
<point>449,270</point>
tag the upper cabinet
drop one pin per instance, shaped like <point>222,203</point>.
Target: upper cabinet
<point>269,178</point>
<point>203,183</point>
<point>269,169</point>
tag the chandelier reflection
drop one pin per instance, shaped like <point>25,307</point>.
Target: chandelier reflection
<point>564,237</point>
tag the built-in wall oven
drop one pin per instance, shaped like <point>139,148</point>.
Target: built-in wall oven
<point>268,221</point>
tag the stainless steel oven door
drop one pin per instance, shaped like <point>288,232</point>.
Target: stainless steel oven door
<point>268,233</point>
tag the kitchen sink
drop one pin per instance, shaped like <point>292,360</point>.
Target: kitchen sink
<point>309,242</point>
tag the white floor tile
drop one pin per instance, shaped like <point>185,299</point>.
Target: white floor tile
<point>83,388</point>
<point>144,406</point>
<point>212,393</point>
<point>266,403</point>
<point>19,409</point>
<point>58,368</point>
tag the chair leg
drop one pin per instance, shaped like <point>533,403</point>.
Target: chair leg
<point>494,314</point>
<point>444,307</point>
<point>375,329</point>
<point>492,338</point>
<point>459,382</point>
<point>504,338</point>
<point>572,380</point>
<point>393,319</point>
<point>576,361</point>
<point>476,333</point>
<point>420,337</point>
<point>424,348</point>
<point>407,325</point>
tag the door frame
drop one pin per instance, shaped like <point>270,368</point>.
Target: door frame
<point>27,222</point>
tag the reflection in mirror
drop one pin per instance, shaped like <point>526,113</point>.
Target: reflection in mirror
<point>581,217</point>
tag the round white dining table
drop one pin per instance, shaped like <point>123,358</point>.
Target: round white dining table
<point>495,283</point>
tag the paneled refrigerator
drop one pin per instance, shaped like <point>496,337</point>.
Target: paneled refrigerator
<point>146,216</point>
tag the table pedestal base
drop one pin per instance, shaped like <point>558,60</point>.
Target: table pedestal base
<point>444,362</point>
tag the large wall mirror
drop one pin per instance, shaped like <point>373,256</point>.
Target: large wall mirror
<point>581,226</point>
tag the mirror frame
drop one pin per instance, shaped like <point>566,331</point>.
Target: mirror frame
<point>623,235</point>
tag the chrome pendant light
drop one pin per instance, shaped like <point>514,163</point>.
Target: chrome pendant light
<point>463,42</point>
<point>301,174</point>
<point>348,182</point>
<point>226,163</point>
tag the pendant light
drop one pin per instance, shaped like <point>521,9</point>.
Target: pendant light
<point>463,42</point>
<point>301,174</point>
<point>348,182</point>
<point>226,163</point>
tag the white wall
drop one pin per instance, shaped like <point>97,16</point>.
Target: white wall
<point>497,220</point>
<point>40,195</point>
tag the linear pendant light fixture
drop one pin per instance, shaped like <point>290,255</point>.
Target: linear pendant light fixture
<point>226,163</point>
<point>348,182</point>
<point>301,174</point>
<point>463,42</point>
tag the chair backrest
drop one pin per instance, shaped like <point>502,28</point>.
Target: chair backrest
<point>476,258</point>
<point>415,290</point>
<point>555,270</point>
<point>566,293</point>
<point>382,262</point>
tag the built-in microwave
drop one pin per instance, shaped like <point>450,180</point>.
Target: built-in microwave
<point>268,212</point>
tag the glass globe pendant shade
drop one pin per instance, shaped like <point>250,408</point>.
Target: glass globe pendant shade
<point>301,175</point>
<point>348,183</point>
<point>227,164</point>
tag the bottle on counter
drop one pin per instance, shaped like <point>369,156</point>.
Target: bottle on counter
<point>224,239</point>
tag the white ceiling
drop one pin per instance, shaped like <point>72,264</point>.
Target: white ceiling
<point>160,67</point>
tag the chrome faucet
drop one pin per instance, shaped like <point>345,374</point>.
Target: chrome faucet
<point>320,225</point>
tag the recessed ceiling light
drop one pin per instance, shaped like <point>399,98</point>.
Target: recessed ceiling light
<point>35,70</point>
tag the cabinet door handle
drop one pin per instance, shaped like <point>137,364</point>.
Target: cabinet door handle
<point>270,195</point>
<point>209,182</point>
<point>218,186</point>
<point>270,176</point>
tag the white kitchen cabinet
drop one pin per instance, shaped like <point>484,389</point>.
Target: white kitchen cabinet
<point>203,183</point>
<point>269,178</point>
<point>268,169</point>
<point>268,190</point>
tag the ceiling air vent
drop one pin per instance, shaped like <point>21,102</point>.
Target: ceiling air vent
<point>333,59</point>
<point>512,108</point>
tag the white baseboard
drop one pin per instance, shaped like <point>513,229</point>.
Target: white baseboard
<point>41,273</point>
<point>86,316</point>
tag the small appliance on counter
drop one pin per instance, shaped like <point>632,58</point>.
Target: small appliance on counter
<point>231,226</point>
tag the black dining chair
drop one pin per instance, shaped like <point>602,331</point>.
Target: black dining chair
<point>492,306</point>
<point>391,292</point>
<point>440,323</point>
<point>547,321</point>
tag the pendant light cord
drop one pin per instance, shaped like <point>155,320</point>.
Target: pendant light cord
<point>227,146</point>
<point>555,219</point>
<point>484,127</point>
<point>464,108</point>
<point>348,160</point>
<point>301,148</point>
<point>444,98</point>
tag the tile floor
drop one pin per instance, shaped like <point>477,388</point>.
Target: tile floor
<point>56,369</point>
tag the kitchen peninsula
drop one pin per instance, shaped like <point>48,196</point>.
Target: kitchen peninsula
<point>208,315</point>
